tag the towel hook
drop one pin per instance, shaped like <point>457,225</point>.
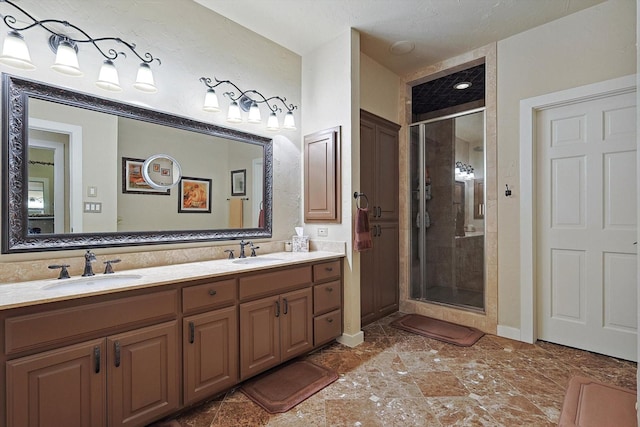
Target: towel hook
<point>357,196</point>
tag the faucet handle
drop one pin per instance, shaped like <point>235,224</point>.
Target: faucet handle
<point>64,273</point>
<point>230,251</point>
<point>108,269</point>
<point>253,249</point>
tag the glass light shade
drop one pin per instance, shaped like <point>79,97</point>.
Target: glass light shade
<point>144,79</point>
<point>211,102</point>
<point>254,113</point>
<point>15,52</point>
<point>108,77</point>
<point>289,121</point>
<point>234,113</point>
<point>67,60</point>
<point>272,122</point>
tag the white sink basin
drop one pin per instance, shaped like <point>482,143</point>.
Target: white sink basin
<point>95,281</point>
<point>256,260</point>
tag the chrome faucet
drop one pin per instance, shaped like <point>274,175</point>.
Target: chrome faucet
<point>242,245</point>
<point>253,249</point>
<point>89,257</point>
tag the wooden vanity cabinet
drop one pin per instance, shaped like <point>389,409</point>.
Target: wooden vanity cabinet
<point>128,378</point>
<point>275,329</point>
<point>209,339</point>
<point>132,358</point>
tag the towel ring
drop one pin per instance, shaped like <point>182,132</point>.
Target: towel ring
<point>357,196</point>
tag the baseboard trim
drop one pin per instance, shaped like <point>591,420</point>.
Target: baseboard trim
<point>509,332</point>
<point>351,340</point>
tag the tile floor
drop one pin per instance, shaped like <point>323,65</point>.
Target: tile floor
<point>399,379</point>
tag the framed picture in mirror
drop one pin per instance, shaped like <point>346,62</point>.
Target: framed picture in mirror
<point>195,195</point>
<point>238,182</point>
<point>133,181</point>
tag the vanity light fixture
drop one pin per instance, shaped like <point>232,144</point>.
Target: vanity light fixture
<point>248,101</point>
<point>464,172</point>
<point>15,52</point>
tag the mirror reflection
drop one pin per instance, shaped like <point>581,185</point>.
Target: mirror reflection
<point>85,165</point>
<point>102,163</point>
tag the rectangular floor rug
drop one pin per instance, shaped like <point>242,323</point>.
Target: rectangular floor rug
<point>441,330</point>
<point>590,403</point>
<point>282,389</point>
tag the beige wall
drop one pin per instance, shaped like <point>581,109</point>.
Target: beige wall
<point>330,93</point>
<point>379,88</point>
<point>192,42</point>
<point>593,45</point>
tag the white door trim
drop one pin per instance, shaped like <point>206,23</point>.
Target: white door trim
<point>75,166</point>
<point>528,109</point>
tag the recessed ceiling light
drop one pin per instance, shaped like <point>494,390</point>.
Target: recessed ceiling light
<point>462,85</point>
<point>402,47</point>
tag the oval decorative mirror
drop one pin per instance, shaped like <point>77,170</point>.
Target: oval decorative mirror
<point>63,150</point>
<point>161,171</point>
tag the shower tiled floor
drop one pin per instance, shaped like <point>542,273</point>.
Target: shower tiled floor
<point>400,379</point>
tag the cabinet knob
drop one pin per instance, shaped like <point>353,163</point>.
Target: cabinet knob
<point>212,292</point>
<point>328,268</point>
<point>330,319</point>
<point>329,289</point>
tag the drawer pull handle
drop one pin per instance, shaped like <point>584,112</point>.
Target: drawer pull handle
<point>277,308</point>
<point>116,346</point>
<point>328,268</point>
<point>192,333</point>
<point>96,358</point>
<point>329,289</point>
<point>212,292</point>
<point>330,319</point>
<point>286,306</point>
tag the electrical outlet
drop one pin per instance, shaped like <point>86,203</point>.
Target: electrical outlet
<point>323,232</point>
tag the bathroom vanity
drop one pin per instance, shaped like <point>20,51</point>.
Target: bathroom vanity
<point>129,352</point>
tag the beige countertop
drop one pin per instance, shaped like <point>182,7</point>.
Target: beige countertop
<point>22,294</point>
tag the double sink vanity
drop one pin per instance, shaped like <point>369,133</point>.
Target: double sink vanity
<point>136,346</point>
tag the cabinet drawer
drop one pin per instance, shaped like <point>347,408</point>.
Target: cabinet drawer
<point>327,327</point>
<point>86,321</point>
<point>326,270</point>
<point>272,283</point>
<point>209,295</point>
<point>326,297</point>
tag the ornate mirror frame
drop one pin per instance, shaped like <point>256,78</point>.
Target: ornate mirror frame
<point>15,237</point>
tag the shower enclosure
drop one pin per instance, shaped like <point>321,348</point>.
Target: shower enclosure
<point>447,210</point>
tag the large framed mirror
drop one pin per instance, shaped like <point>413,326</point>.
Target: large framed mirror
<point>72,174</point>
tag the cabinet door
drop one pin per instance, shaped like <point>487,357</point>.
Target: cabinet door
<point>379,274</point>
<point>386,176</point>
<point>322,176</point>
<point>63,387</point>
<point>387,260</point>
<point>143,374</point>
<point>210,352</point>
<point>260,340</point>
<point>296,323</point>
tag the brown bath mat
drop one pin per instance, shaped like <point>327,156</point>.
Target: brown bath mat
<point>282,389</point>
<point>590,403</point>
<point>451,333</point>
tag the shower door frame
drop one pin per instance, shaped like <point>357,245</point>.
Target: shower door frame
<point>422,208</point>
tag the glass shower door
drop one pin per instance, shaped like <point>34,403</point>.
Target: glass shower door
<point>447,210</point>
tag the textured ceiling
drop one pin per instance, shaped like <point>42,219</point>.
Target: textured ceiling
<point>440,29</point>
<point>440,93</point>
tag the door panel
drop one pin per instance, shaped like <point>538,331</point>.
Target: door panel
<point>586,202</point>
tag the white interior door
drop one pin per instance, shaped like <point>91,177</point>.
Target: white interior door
<point>586,225</point>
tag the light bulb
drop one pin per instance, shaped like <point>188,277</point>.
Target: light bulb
<point>233,115</point>
<point>254,113</point>
<point>272,122</point>
<point>211,102</point>
<point>289,121</point>
<point>108,77</point>
<point>144,79</point>
<point>15,52</point>
<point>67,60</point>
